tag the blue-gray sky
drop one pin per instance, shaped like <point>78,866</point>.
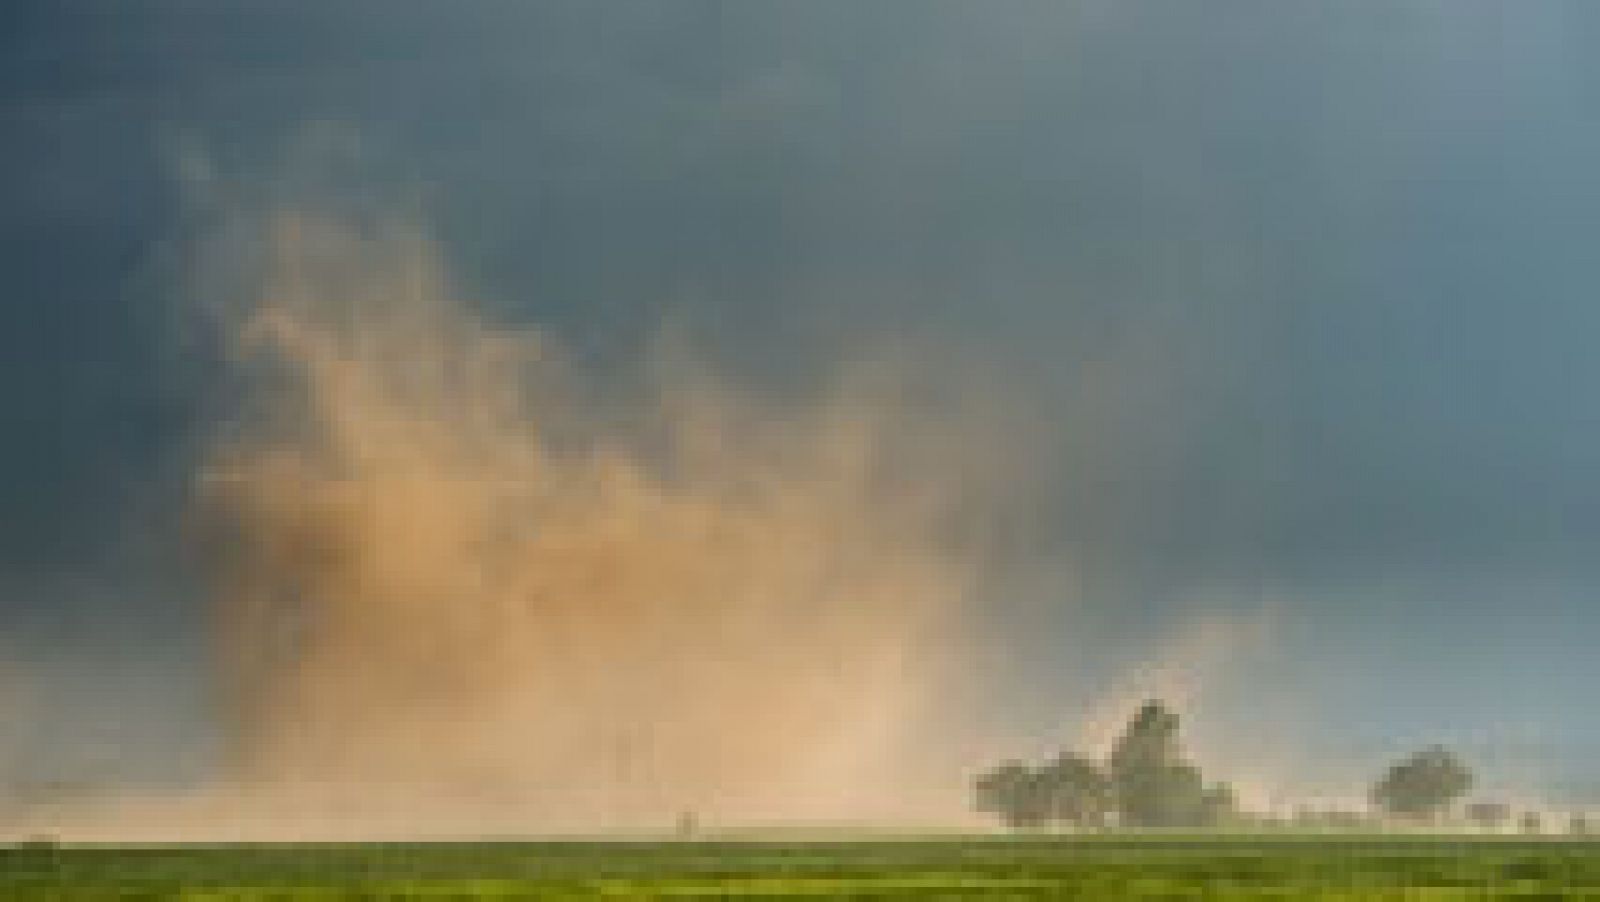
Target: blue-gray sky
<point>1302,291</point>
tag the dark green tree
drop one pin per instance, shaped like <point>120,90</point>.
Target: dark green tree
<point>1153,785</point>
<point>1079,793</point>
<point>1015,793</point>
<point>1422,785</point>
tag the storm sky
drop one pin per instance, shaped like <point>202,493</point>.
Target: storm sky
<point>1299,294</point>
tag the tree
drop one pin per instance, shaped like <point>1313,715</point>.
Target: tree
<point>1423,785</point>
<point>1217,804</point>
<point>1146,781</point>
<point>1152,783</point>
<point>1079,793</point>
<point>1489,815</point>
<point>1015,793</point>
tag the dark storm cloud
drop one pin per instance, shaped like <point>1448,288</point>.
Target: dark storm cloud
<point>1352,239</point>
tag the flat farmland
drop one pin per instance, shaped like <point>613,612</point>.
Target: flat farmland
<point>1105,866</point>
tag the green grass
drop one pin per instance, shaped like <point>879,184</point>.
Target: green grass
<point>1096,867</point>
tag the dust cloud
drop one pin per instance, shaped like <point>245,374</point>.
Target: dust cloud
<point>458,590</point>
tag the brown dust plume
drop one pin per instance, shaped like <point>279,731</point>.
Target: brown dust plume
<point>456,587</point>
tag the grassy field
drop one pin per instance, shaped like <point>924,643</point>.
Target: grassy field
<point>1088,867</point>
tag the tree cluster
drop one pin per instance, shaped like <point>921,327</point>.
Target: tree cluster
<point>1145,782</point>
<point>1424,785</point>
<point>1068,790</point>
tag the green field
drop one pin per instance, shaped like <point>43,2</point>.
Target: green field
<point>1088,867</point>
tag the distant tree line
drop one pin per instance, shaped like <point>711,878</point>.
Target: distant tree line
<point>1145,782</point>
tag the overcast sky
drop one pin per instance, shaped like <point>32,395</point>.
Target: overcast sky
<point>1303,293</point>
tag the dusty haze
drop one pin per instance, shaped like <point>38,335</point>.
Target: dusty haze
<point>458,590</point>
